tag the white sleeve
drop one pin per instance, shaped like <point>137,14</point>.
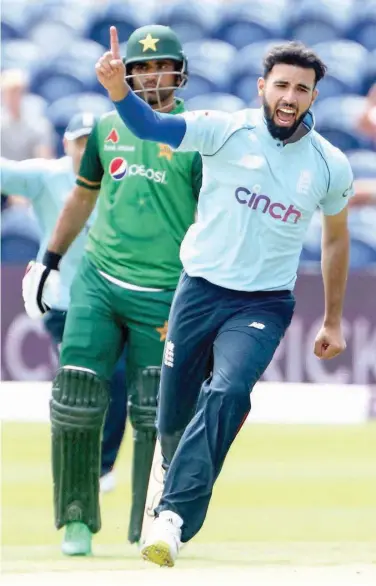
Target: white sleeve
<point>340,186</point>
<point>207,131</point>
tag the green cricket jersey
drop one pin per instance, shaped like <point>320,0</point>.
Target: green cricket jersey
<point>147,201</point>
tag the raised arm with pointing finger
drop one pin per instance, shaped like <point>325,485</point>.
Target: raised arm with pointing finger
<point>144,122</point>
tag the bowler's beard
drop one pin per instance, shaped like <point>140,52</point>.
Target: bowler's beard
<point>280,132</point>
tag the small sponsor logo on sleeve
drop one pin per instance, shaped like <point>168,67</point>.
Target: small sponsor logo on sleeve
<point>348,191</point>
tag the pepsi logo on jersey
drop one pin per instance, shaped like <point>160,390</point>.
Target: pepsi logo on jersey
<point>119,169</point>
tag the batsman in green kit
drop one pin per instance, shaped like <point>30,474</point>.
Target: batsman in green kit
<point>123,290</point>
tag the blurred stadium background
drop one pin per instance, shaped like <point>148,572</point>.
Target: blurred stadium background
<point>296,485</point>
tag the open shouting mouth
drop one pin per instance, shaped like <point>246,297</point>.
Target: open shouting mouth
<point>285,116</point>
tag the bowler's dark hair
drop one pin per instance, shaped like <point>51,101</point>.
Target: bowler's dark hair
<point>294,53</point>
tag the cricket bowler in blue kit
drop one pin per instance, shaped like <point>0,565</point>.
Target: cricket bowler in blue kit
<point>265,171</point>
<point>46,183</point>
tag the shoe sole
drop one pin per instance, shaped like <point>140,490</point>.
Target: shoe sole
<point>158,553</point>
<point>75,552</point>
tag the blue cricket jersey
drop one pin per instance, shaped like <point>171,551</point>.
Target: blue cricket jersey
<point>47,184</point>
<point>258,193</point>
<point>257,198</point>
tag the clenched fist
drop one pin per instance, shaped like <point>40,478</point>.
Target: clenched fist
<point>110,69</point>
<point>329,342</point>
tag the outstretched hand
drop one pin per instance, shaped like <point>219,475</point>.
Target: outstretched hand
<point>110,69</point>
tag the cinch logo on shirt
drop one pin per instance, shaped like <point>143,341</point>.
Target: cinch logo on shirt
<point>276,210</point>
<point>119,168</point>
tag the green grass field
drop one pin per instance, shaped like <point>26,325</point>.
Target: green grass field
<point>287,495</point>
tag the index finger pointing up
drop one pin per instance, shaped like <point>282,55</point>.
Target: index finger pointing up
<point>114,43</point>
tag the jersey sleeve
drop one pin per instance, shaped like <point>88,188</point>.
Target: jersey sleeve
<point>206,131</point>
<point>23,177</point>
<point>91,168</point>
<point>340,186</point>
<point>196,175</point>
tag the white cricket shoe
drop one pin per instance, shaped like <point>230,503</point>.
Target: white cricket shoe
<point>162,543</point>
<point>107,482</point>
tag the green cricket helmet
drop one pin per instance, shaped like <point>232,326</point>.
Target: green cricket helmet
<point>155,42</point>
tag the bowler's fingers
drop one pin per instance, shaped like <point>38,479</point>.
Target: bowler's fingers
<point>103,65</point>
<point>114,43</point>
<point>330,351</point>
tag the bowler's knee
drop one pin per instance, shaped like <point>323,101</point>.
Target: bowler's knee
<point>231,385</point>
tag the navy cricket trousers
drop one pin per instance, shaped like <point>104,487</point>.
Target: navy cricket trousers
<point>239,331</point>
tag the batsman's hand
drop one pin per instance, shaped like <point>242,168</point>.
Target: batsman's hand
<point>40,289</point>
<point>329,342</point>
<point>110,69</point>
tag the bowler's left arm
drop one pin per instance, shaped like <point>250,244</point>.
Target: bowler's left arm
<point>335,252</point>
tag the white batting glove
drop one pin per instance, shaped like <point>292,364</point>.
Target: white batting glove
<point>40,288</point>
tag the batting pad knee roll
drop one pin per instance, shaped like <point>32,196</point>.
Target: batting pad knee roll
<point>77,410</point>
<point>142,397</point>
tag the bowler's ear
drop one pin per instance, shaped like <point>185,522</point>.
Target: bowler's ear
<point>315,93</point>
<point>260,86</point>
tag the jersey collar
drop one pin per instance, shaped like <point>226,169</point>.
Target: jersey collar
<point>179,106</point>
<point>304,129</point>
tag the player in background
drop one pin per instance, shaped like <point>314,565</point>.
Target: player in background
<point>123,290</point>
<point>47,184</point>
<point>265,172</point>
